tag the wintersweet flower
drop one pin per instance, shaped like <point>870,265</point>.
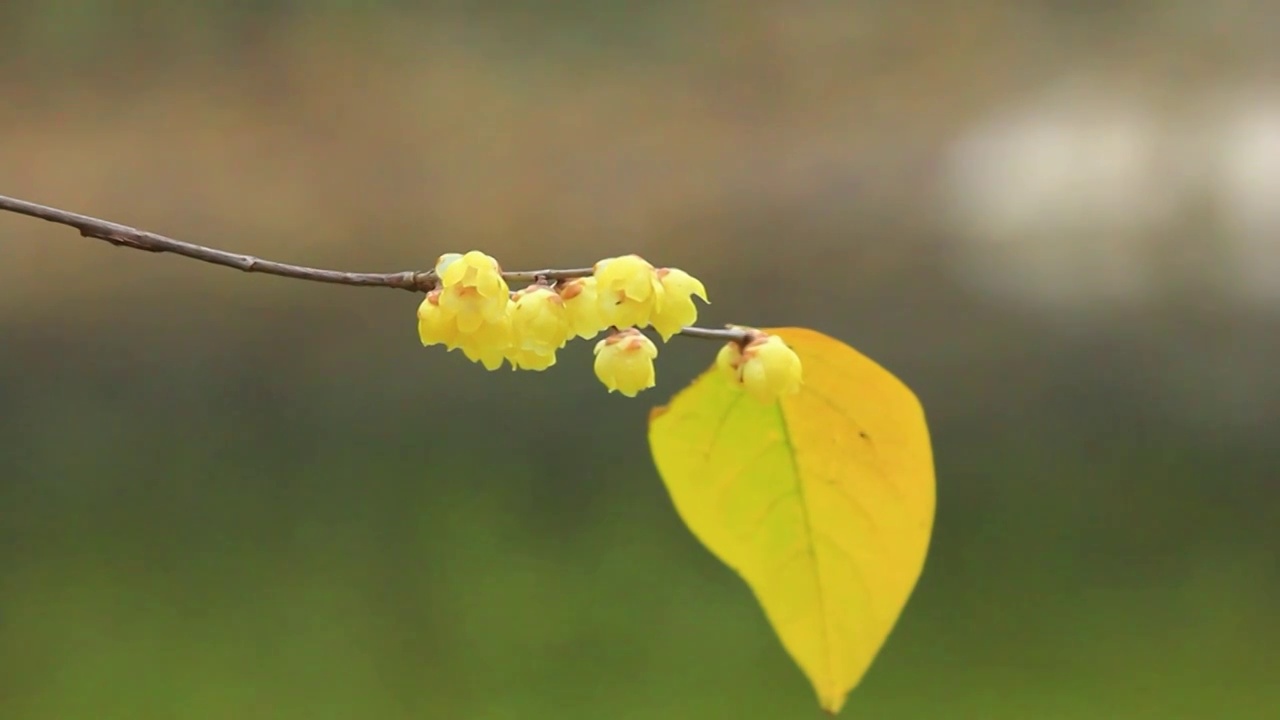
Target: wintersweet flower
<point>766,367</point>
<point>435,325</point>
<point>530,359</point>
<point>489,343</point>
<point>677,309</point>
<point>729,360</point>
<point>472,289</point>
<point>628,291</point>
<point>539,327</point>
<point>624,362</point>
<point>539,319</point>
<point>582,304</point>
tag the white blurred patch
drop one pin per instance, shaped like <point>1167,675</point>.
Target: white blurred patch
<point>1082,199</point>
<point>1246,191</point>
<point>1053,200</point>
<point>1079,201</point>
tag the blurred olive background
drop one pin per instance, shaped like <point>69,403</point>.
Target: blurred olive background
<point>235,496</point>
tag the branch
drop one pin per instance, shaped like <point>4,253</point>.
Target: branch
<point>125,236</point>
<point>413,280</point>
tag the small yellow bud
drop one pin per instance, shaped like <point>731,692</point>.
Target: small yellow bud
<point>628,291</point>
<point>472,288</point>
<point>435,325</point>
<point>624,362</point>
<point>677,310</point>
<point>539,320</point>
<point>766,368</point>
<point>582,304</point>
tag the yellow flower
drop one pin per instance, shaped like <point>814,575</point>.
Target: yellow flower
<point>766,368</point>
<point>539,327</point>
<point>677,310</point>
<point>582,304</point>
<point>624,362</point>
<point>539,320</point>
<point>729,360</point>
<point>489,343</point>
<point>628,291</point>
<point>435,325</point>
<point>472,289</point>
<point>522,359</point>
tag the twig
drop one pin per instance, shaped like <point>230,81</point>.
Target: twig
<point>412,280</point>
<point>725,334</point>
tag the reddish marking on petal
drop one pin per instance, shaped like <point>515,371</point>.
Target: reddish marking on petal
<point>571,290</point>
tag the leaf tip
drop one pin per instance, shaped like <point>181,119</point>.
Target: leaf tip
<point>832,705</point>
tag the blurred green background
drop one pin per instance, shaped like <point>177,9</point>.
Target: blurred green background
<point>232,496</point>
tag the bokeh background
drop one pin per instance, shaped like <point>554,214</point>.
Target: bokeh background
<point>235,496</point>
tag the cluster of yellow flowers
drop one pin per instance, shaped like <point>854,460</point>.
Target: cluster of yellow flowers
<point>472,309</point>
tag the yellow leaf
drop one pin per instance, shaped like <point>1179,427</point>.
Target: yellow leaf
<point>822,502</point>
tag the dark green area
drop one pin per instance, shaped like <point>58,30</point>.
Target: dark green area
<point>198,534</point>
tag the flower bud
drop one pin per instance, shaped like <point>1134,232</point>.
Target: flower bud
<point>766,367</point>
<point>624,362</point>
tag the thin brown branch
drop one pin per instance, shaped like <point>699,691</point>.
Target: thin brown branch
<point>412,280</point>
<point>725,334</point>
<point>125,236</point>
